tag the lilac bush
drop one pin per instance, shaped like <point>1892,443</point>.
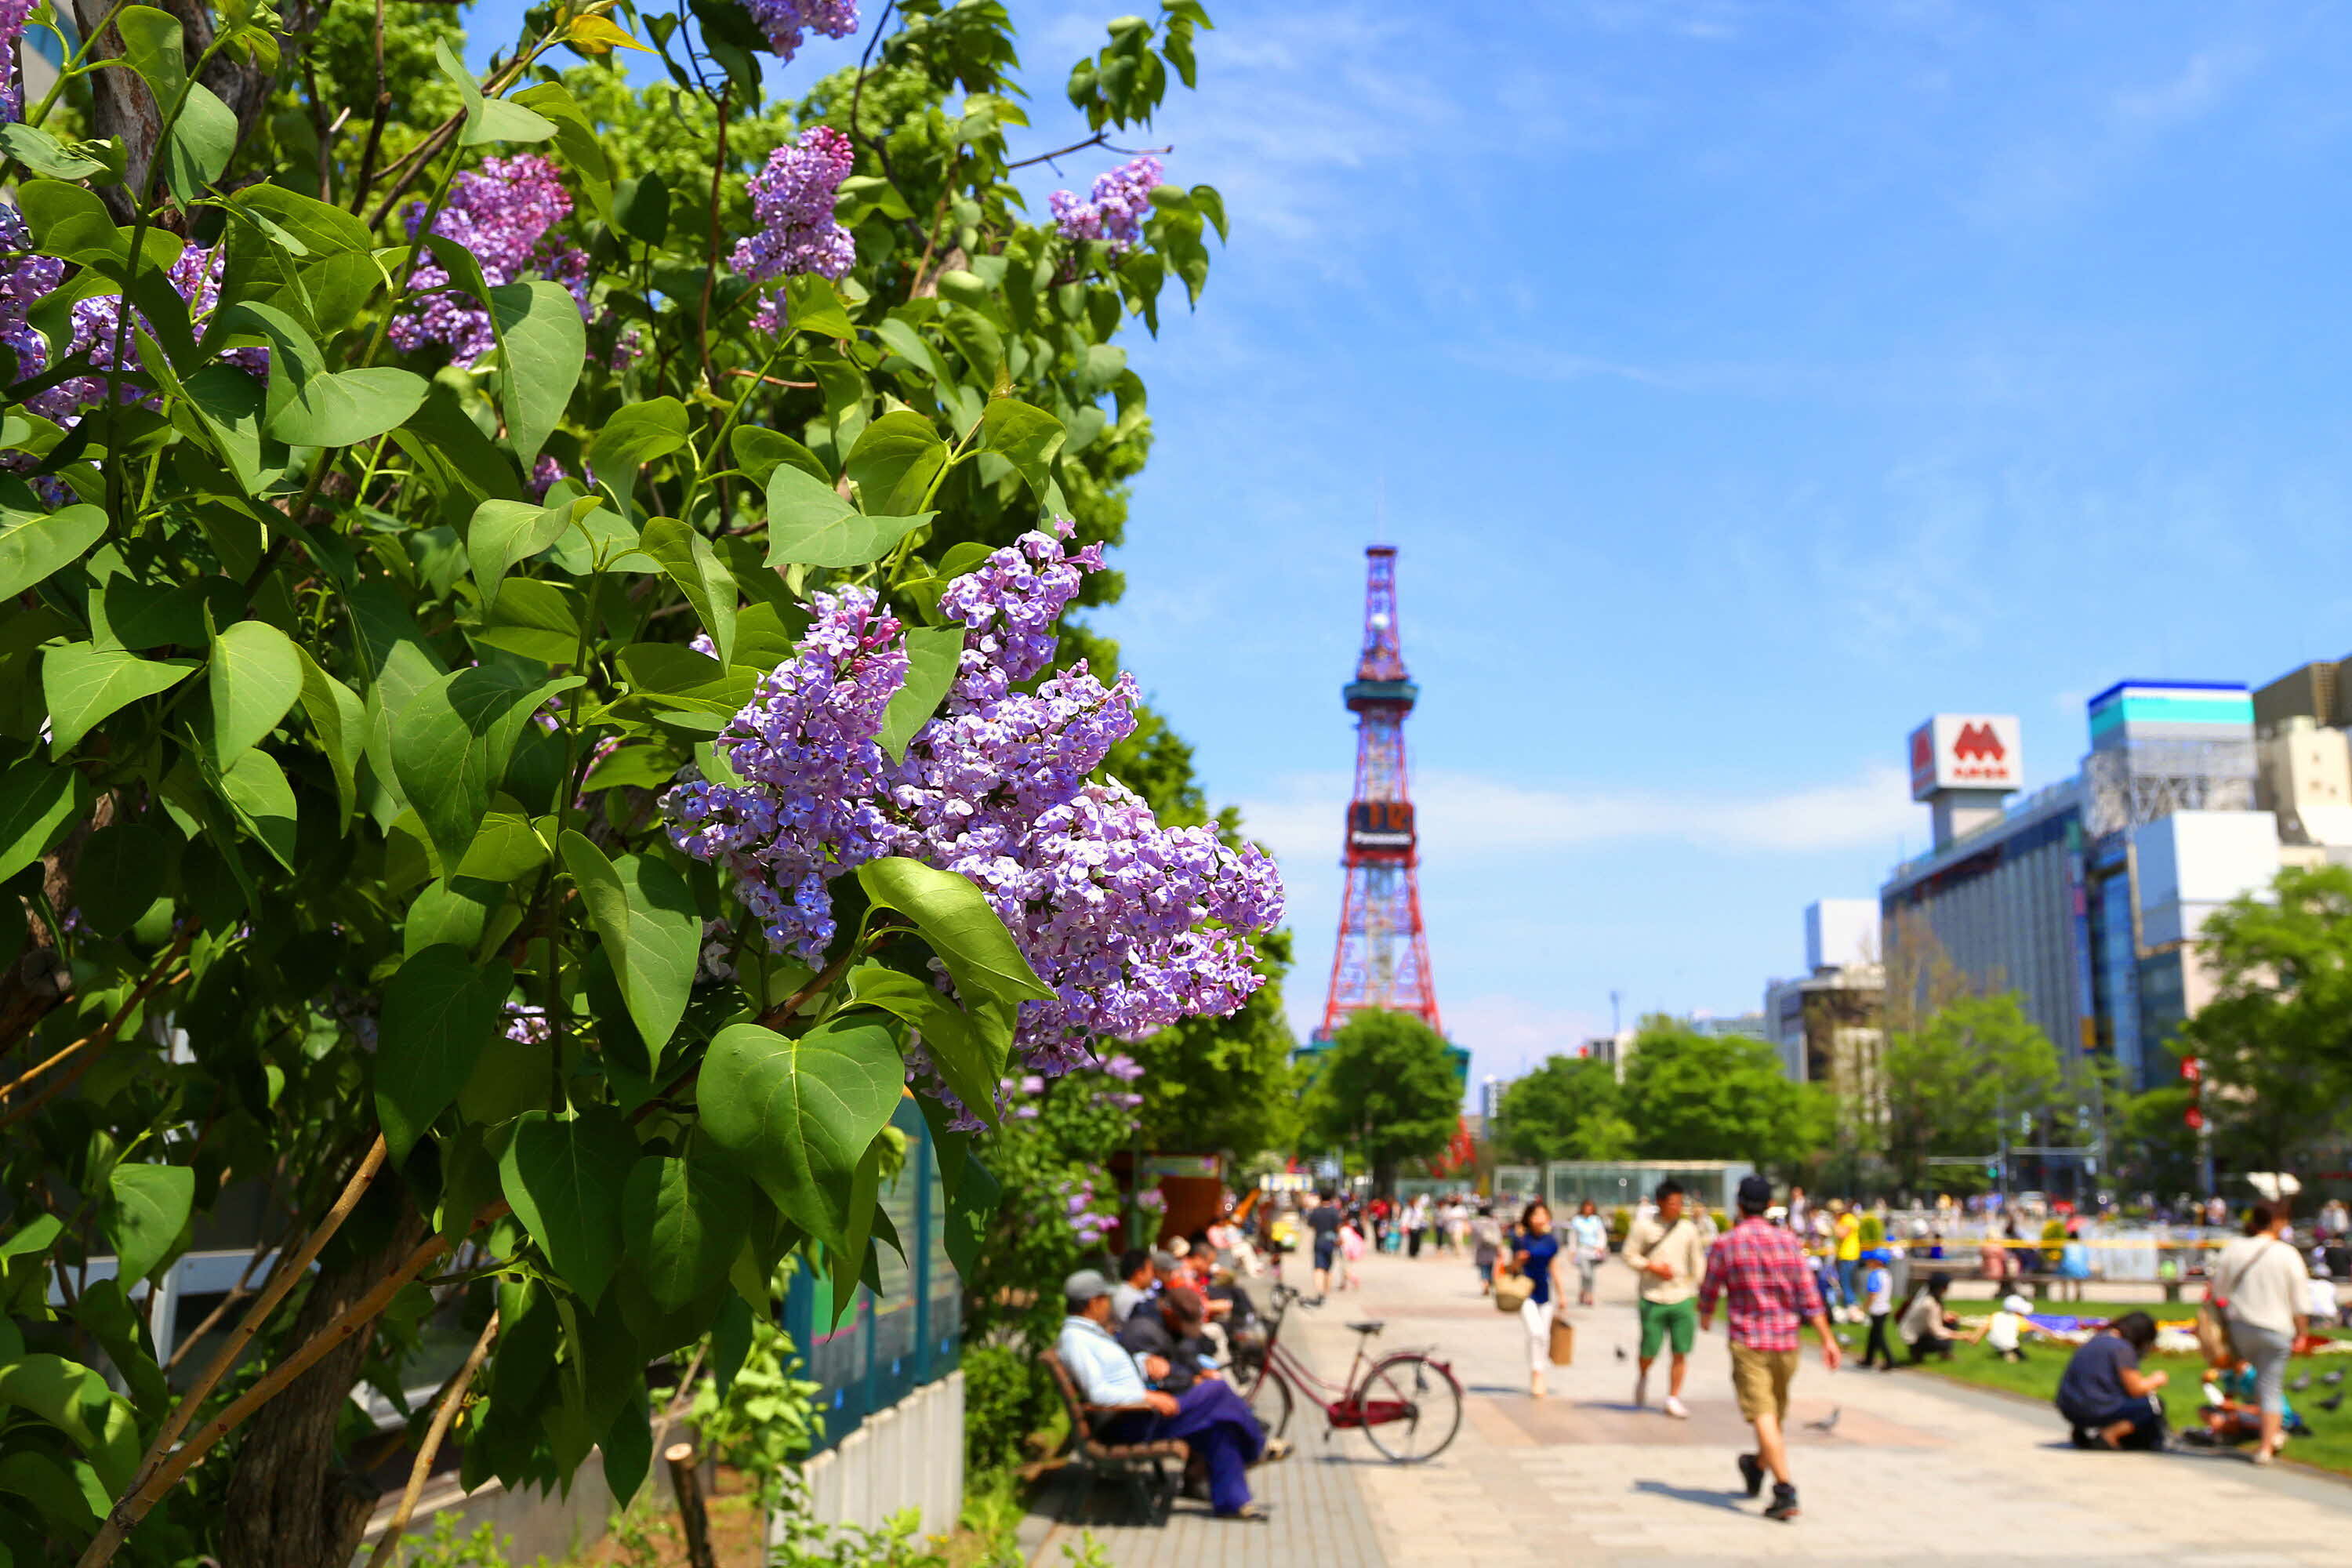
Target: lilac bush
<point>793,198</point>
<point>502,213</point>
<point>1133,925</point>
<point>1115,211</point>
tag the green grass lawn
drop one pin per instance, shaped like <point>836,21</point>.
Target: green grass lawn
<point>2328,1447</point>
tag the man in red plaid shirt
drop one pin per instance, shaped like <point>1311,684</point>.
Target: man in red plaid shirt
<point>1761,1267</point>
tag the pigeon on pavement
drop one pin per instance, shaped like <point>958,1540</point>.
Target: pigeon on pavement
<point>1828,1422</point>
<point>2300,1384</point>
<point>1621,1352</point>
<point>2333,1378</point>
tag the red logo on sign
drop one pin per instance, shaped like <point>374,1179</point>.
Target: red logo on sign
<point>1978,742</point>
<point>1923,752</point>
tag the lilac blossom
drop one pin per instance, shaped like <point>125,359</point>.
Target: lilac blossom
<point>528,1025</point>
<point>807,748</point>
<point>1132,925</point>
<point>1115,212</point>
<point>793,199</point>
<point>502,214</point>
<point>12,15</point>
<point>788,22</point>
<point>97,324</point>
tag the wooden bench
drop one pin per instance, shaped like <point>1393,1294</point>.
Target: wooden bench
<point>1141,1466</point>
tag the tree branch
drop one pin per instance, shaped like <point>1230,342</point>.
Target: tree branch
<point>453,1394</point>
<point>131,1509</point>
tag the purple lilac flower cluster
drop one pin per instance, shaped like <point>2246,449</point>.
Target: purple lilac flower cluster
<point>1114,214</point>
<point>788,22</point>
<point>1078,1205</point>
<point>526,1025</point>
<point>25,278</point>
<point>806,748</point>
<point>502,213</point>
<point>1110,907</point>
<point>12,15</point>
<point>793,198</point>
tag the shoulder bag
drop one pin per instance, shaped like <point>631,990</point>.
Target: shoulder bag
<point>1512,1290</point>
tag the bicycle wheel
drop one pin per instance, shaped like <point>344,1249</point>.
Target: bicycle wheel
<point>1270,1401</point>
<point>1411,1408</point>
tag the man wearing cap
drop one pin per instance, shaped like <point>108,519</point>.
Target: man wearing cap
<point>1762,1268</point>
<point>1210,1418</point>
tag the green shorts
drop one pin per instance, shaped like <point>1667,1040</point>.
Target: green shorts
<point>1660,1320</point>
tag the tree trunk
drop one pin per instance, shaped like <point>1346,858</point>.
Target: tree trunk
<point>291,1502</point>
<point>125,109</point>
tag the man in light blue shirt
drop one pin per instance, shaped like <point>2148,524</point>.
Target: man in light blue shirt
<point>1105,1373</point>
<point>1210,1419</point>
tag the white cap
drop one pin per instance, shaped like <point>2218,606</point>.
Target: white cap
<point>2017,1304</point>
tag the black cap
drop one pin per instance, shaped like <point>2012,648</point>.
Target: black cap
<point>1755,1193</point>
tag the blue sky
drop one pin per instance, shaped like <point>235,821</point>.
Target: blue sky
<point>1741,383</point>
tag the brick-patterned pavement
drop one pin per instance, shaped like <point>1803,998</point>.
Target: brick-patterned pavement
<point>1915,1470</point>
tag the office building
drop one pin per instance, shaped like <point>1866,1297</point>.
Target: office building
<point>2088,897</point>
<point>1828,1024</point>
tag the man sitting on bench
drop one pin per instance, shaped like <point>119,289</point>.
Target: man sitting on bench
<point>1210,1419</point>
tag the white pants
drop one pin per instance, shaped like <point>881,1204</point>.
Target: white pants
<point>1536,1318</point>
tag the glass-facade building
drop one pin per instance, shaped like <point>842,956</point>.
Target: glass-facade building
<point>2053,900</point>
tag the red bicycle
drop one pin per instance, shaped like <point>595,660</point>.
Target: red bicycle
<point>1409,1404</point>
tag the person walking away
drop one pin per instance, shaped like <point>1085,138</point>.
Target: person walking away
<point>2260,1280</point>
<point>1323,1222</point>
<point>1849,1255</point>
<point>1668,1257</point>
<point>1588,1243</point>
<point>1416,1225</point>
<point>1878,1300</point>
<point>2104,1395</point>
<point>1351,1252</point>
<point>1208,1417</point>
<point>1798,1210</point>
<point>1536,1258</point>
<point>1759,1270</point>
<point>1925,1326</point>
<point>1487,1247</point>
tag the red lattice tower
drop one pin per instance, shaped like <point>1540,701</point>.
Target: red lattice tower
<point>1382,958</point>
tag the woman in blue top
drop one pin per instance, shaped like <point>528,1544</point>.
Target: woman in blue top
<point>1536,1258</point>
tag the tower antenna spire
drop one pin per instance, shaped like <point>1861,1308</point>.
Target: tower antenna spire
<point>1382,957</point>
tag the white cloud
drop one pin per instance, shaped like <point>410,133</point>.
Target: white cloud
<point>1463,816</point>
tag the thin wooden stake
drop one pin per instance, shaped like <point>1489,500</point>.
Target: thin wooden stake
<point>688,1482</point>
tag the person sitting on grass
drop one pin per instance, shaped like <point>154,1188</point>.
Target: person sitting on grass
<point>1210,1418</point>
<point>1925,1326</point>
<point>2006,1331</point>
<point>2233,1411</point>
<point>2105,1399</point>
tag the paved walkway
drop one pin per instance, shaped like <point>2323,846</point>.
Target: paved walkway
<point>1915,1470</point>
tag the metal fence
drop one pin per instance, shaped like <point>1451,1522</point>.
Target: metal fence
<point>885,1346</point>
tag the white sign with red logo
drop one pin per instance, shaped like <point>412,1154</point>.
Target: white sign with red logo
<point>1965,750</point>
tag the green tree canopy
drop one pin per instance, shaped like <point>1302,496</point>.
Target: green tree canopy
<point>1949,1081</point>
<point>2276,1039</point>
<point>1714,1096</point>
<point>1385,1091</point>
<point>1568,1109</point>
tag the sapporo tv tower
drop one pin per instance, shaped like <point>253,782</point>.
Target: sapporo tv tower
<point>1382,957</point>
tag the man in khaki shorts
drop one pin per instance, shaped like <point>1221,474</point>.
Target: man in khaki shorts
<point>1762,1268</point>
